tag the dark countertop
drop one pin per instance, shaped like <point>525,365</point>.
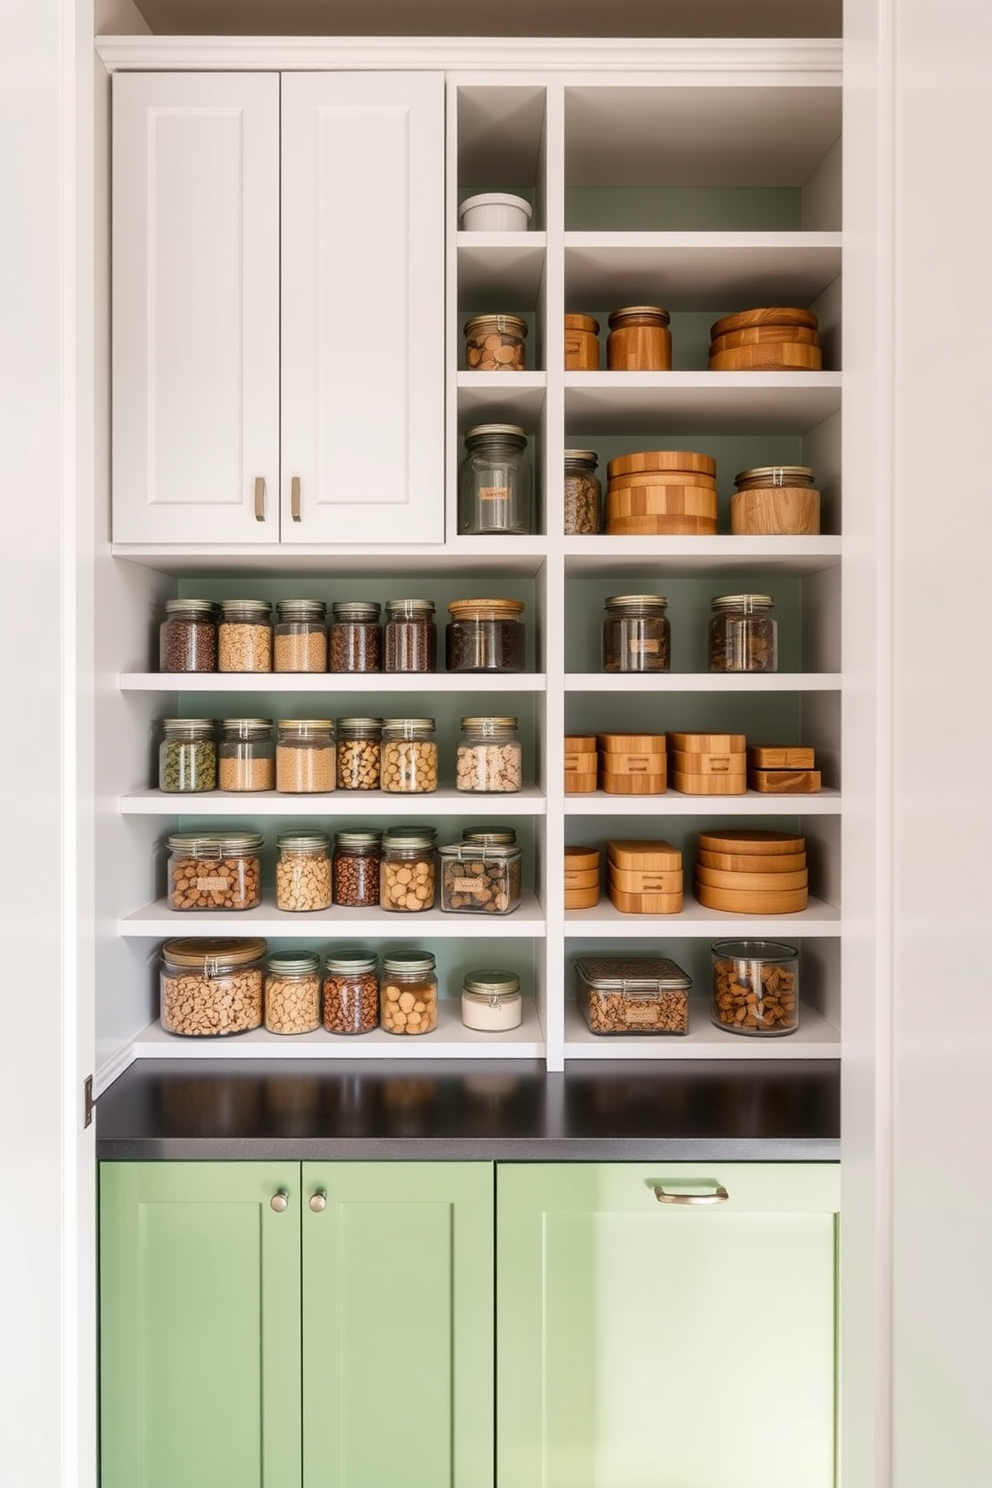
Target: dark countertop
<point>760,1111</point>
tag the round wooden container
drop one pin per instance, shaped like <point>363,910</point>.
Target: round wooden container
<point>580,859</point>
<point>715,878</point>
<point>640,460</point>
<point>771,356</point>
<point>750,902</point>
<point>769,315</point>
<point>776,510</point>
<point>581,898</point>
<point>582,878</point>
<point>639,340</point>
<point>660,478</point>
<point>763,335</point>
<point>743,863</point>
<point>678,501</point>
<point>661,525</point>
<point>581,343</point>
<point>755,841</point>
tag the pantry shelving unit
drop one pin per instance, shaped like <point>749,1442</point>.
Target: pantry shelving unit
<point>709,188</point>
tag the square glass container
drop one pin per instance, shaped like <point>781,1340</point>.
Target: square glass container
<point>633,994</point>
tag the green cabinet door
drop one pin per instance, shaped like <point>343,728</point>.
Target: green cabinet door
<point>398,1325</point>
<point>200,1325</point>
<point>643,1343</point>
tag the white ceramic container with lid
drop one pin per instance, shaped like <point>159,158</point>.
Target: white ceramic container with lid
<point>495,211</point>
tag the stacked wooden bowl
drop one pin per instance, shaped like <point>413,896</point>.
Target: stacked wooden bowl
<point>776,339</point>
<point>581,877</point>
<point>749,871</point>
<point>661,491</point>
<point>644,877</point>
<point>632,764</point>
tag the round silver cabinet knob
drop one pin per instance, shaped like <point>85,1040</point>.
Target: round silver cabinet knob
<point>318,1201</point>
<point>279,1201</point>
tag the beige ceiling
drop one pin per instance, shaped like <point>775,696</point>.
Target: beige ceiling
<point>713,18</point>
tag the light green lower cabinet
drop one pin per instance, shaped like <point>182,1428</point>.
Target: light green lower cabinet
<point>651,1344</point>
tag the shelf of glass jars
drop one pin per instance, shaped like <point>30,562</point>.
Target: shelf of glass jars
<point>712,557</point>
<point>815,1038</point>
<point>530,801</point>
<point>501,267</point>
<point>698,402</point>
<point>161,919</point>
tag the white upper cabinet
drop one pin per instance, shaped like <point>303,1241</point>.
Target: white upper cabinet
<point>362,307</point>
<point>196,308</point>
<point>253,403</point>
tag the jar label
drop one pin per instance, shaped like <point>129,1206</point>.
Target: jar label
<point>494,493</point>
<point>466,885</point>
<point>642,1014</point>
<point>638,647</point>
<point>208,885</point>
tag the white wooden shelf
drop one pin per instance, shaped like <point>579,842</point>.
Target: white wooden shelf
<point>671,802</point>
<point>678,557</point>
<point>660,403</point>
<point>695,922</point>
<point>159,919</point>
<point>333,684</point>
<point>527,802</point>
<point>520,394</point>
<point>477,557</point>
<point>500,267</point>
<point>815,1038</point>
<point>715,682</point>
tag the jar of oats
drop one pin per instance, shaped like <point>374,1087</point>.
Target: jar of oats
<point>300,641</point>
<point>351,992</point>
<point>303,871</point>
<point>292,993</point>
<point>305,756</point>
<point>211,988</point>
<point>488,756</point>
<point>409,755</point>
<point>408,1003</point>
<point>359,751</point>
<point>244,636</point>
<point>407,872</point>
<point>247,755</point>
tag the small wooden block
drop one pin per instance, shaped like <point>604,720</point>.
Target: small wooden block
<point>708,743</point>
<point>784,782</point>
<point>780,757</point>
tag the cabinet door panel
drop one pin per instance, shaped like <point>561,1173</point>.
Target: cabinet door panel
<point>651,1345</point>
<point>398,1326</point>
<point>200,1326</point>
<point>363,307</point>
<point>195,307</point>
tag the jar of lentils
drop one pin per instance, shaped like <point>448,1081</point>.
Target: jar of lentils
<point>356,636</point>
<point>187,637</point>
<point>408,1003</point>
<point>303,871</point>
<point>247,756</point>
<point>409,755</point>
<point>351,993</point>
<point>485,635</point>
<point>305,760</point>
<point>359,753</point>
<point>292,993</point>
<point>743,633</point>
<point>187,755</point>
<point>489,755</point>
<point>355,869</point>
<point>494,483</point>
<point>244,636</point>
<point>217,871</point>
<point>583,493</point>
<point>410,636</point>
<point>300,641</point>
<point>636,634</point>
<point>213,987</point>
<point>407,874</point>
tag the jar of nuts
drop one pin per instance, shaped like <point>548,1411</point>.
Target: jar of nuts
<point>211,988</point>
<point>409,755</point>
<point>187,637</point>
<point>743,634</point>
<point>489,755</point>
<point>351,992</point>
<point>633,994</point>
<point>406,875</point>
<point>355,869</point>
<point>292,993</point>
<point>244,636</point>
<point>583,493</point>
<point>480,878</point>
<point>755,987</point>
<point>303,871</point>
<point>408,1002</point>
<point>187,756</point>
<point>359,752</point>
<point>305,756</point>
<point>300,641</point>
<point>356,636</point>
<point>215,871</point>
<point>495,343</point>
<point>637,635</point>
<point>247,755</point>
<point>410,636</point>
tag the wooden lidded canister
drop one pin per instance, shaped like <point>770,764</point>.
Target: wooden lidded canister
<point>581,343</point>
<point>639,340</point>
<point>775,499</point>
<point>770,339</point>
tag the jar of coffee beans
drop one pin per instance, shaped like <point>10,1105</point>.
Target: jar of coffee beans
<point>485,635</point>
<point>187,756</point>
<point>355,869</point>
<point>247,756</point>
<point>410,636</point>
<point>583,493</point>
<point>300,642</point>
<point>356,636</point>
<point>244,636</point>
<point>351,992</point>
<point>292,992</point>
<point>187,637</point>
<point>743,633</point>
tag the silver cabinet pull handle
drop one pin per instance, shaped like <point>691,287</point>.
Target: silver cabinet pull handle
<point>294,498</point>
<point>279,1201</point>
<point>260,498</point>
<point>318,1201</point>
<point>720,1196</point>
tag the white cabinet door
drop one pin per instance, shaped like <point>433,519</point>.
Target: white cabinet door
<point>362,307</point>
<point>196,308</point>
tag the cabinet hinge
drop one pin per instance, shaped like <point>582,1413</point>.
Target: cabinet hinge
<point>88,1101</point>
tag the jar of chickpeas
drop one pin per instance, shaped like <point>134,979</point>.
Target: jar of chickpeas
<point>408,1001</point>
<point>409,755</point>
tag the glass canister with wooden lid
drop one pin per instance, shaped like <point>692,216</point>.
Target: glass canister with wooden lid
<point>212,987</point>
<point>485,635</point>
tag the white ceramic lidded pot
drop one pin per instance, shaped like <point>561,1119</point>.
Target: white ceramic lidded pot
<point>495,211</point>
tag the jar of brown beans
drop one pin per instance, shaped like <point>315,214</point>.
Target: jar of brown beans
<point>215,871</point>
<point>187,637</point>
<point>410,636</point>
<point>244,636</point>
<point>246,756</point>
<point>407,873</point>
<point>356,636</point>
<point>292,993</point>
<point>409,755</point>
<point>351,992</point>
<point>305,760</point>
<point>359,753</point>
<point>300,640</point>
<point>355,869</point>
<point>303,871</point>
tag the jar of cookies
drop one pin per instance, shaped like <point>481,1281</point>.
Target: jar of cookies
<point>495,343</point>
<point>303,871</point>
<point>408,1002</point>
<point>755,987</point>
<point>359,752</point>
<point>409,755</point>
<point>292,992</point>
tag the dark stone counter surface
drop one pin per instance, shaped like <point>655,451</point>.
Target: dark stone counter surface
<point>758,1111</point>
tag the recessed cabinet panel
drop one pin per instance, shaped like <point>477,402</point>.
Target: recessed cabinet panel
<point>362,306</point>
<point>196,308</point>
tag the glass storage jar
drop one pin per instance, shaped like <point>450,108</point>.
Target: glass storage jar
<point>300,641</point>
<point>292,992</point>
<point>187,755</point>
<point>485,635</point>
<point>490,836</point>
<point>355,868</point>
<point>488,757</point>
<point>407,873</point>
<point>491,1001</point>
<point>303,871</point>
<point>743,633</point>
<point>583,493</point>
<point>495,343</point>
<point>636,634</point>
<point>356,636</point>
<point>305,756</point>
<point>244,636</point>
<point>408,1003</point>
<point>410,636</point>
<point>351,992</point>
<point>639,340</point>
<point>215,870</point>
<point>480,878</point>
<point>359,753</point>
<point>494,482</point>
<point>409,755</point>
<point>187,637</point>
<point>247,755</point>
<point>755,987</point>
<point>632,994</point>
<point>211,987</point>
<point>581,343</point>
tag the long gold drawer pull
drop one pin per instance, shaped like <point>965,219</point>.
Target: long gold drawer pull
<point>260,498</point>
<point>294,498</point>
<point>719,1197</point>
